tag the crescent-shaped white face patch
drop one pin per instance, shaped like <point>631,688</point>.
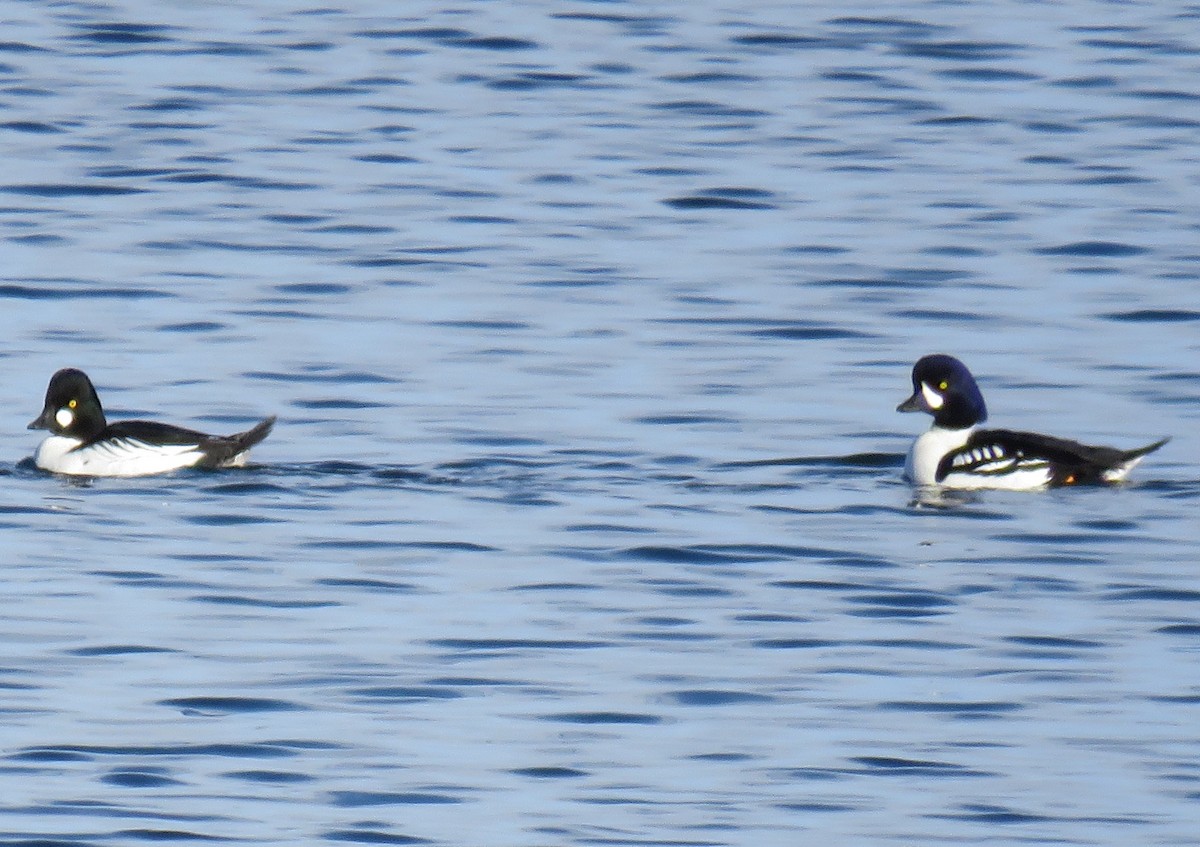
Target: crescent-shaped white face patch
<point>65,417</point>
<point>932,398</point>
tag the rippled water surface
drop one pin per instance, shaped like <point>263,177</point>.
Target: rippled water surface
<point>582,522</point>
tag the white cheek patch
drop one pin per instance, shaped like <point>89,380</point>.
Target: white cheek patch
<point>932,398</point>
<point>65,417</point>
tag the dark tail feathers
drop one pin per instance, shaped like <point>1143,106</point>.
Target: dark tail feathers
<point>227,450</point>
<point>1129,454</point>
<point>246,440</point>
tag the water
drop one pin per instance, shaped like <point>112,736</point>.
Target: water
<point>582,523</point>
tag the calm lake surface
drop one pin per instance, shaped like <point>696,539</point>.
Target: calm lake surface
<point>585,324</point>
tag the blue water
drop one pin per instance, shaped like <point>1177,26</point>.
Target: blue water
<point>585,324</point>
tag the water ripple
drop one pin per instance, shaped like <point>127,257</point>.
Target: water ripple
<point>591,323</point>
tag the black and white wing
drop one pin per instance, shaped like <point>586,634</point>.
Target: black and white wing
<point>211,451</point>
<point>992,459</point>
<point>1013,459</point>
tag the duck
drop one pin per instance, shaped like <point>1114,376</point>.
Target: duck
<point>956,452</point>
<point>83,443</point>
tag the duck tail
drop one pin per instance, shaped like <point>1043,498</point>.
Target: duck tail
<point>1138,453</point>
<point>246,440</point>
<point>230,451</point>
<point>1130,459</point>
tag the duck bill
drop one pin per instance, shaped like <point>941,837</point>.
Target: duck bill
<point>42,421</point>
<point>916,403</point>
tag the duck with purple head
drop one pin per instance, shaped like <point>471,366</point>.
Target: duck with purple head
<point>956,453</point>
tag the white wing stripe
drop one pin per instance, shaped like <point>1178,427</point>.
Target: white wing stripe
<point>130,447</point>
<point>979,455</point>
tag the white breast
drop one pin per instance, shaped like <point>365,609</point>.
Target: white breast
<point>127,457</point>
<point>927,451</point>
<point>993,469</point>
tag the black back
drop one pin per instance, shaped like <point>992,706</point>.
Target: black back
<point>1070,463</point>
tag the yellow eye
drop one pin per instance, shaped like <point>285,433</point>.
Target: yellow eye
<point>943,385</point>
<point>71,404</point>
